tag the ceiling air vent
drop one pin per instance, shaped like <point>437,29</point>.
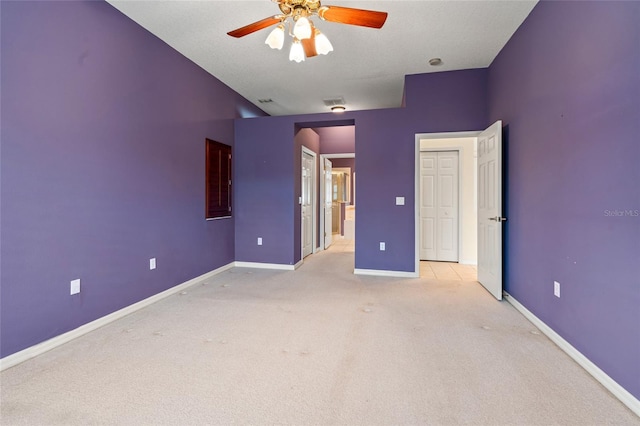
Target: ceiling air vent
<point>265,101</point>
<point>338,101</point>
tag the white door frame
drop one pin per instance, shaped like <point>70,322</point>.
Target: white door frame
<point>453,147</point>
<point>322,192</point>
<point>314,202</point>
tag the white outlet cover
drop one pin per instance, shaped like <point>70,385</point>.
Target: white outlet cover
<point>556,288</point>
<point>259,241</point>
<point>383,246</point>
<point>75,287</point>
<point>399,201</point>
<point>152,263</point>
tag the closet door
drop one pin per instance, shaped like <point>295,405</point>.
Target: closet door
<point>447,205</point>
<point>439,206</point>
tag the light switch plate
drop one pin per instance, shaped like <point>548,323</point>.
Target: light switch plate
<point>259,241</point>
<point>382,246</point>
<point>75,287</point>
<point>399,201</point>
<point>152,263</point>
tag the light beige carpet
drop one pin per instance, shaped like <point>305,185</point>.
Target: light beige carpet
<point>318,346</point>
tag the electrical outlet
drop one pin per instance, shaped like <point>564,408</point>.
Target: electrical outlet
<point>75,287</point>
<point>382,246</point>
<point>259,241</point>
<point>556,289</point>
<point>399,201</point>
<point>152,263</point>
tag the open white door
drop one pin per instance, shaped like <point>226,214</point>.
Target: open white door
<point>328,197</point>
<point>490,209</point>
<point>308,203</point>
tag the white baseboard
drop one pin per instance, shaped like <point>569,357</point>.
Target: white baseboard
<point>468,262</point>
<point>618,391</point>
<point>47,345</point>
<point>259,265</point>
<point>382,273</point>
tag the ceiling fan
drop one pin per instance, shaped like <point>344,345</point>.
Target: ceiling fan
<point>308,41</point>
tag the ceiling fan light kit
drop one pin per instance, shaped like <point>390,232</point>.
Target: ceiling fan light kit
<point>308,41</point>
<point>323,45</point>
<point>302,28</point>
<point>276,38</point>
<point>297,52</point>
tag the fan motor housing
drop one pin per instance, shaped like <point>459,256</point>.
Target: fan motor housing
<point>289,6</point>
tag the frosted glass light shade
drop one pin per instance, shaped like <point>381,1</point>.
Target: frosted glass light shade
<point>323,45</point>
<point>297,52</point>
<point>275,40</point>
<point>302,28</point>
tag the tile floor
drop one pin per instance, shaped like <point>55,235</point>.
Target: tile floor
<point>340,244</point>
<point>429,270</point>
<point>448,271</point>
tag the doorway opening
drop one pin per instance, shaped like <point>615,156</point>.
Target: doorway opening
<point>313,141</point>
<point>446,203</point>
<point>483,247</point>
<point>308,202</point>
<point>337,222</point>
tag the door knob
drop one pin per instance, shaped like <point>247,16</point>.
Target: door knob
<point>498,219</point>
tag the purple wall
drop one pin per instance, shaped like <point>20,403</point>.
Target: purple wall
<point>344,162</point>
<point>337,139</point>
<point>264,190</point>
<point>567,87</point>
<point>103,130</point>
<point>384,140</point>
<point>447,101</point>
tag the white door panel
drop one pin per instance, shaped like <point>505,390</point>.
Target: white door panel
<point>447,231</point>
<point>428,236</point>
<point>308,191</point>
<point>428,214</point>
<point>446,234</point>
<point>439,177</point>
<point>490,209</point>
<point>328,194</point>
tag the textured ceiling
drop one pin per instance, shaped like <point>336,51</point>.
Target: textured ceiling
<point>367,66</point>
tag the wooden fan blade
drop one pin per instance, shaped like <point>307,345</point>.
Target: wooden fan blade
<point>309,45</point>
<point>347,15</point>
<point>256,26</point>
